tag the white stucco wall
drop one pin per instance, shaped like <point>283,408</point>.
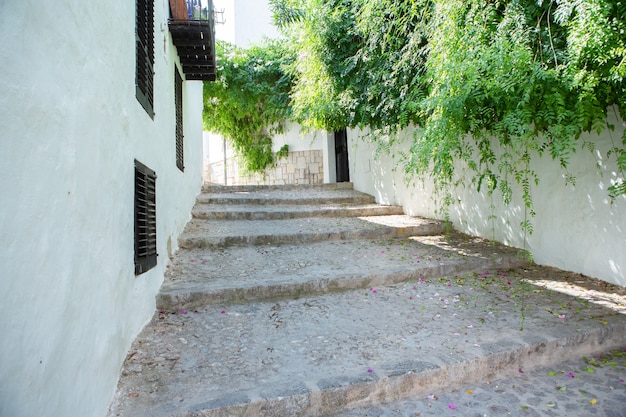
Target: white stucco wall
<point>225,20</point>
<point>253,21</point>
<point>576,228</point>
<point>297,139</point>
<point>70,129</point>
<point>244,21</point>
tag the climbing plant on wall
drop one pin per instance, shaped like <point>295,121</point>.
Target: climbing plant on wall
<point>250,100</point>
<point>488,85</point>
<point>493,84</point>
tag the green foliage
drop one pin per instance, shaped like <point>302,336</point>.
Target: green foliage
<point>493,84</point>
<point>250,101</point>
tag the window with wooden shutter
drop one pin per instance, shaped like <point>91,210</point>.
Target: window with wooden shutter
<point>144,45</point>
<point>178,98</point>
<point>145,219</point>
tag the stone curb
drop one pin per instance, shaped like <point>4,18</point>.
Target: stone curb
<point>430,229</point>
<point>260,201</point>
<point>186,299</point>
<point>277,214</point>
<point>326,397</point>
<point>214,188</point>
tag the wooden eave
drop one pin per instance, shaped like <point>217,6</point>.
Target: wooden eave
<point>195,42</point>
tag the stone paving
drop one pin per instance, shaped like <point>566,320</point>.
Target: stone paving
<point>579,387</point>
<point>351,325</point>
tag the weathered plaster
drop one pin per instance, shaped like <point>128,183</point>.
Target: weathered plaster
<point>71,129</point>
<point>576,228</point>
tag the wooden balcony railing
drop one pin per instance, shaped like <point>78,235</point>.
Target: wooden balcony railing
<point>192,26</point>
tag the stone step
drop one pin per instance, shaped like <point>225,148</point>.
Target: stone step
<point>252,273</point>
<point>317,316</point>
<point>222,233</point>
<point>281,212</point>
<point>324,354</point>
<point>300,197</point>
<point>216,188</point>
<point>565,388</point>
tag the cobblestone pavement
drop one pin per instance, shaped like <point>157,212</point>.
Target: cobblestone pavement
<point>585,387</point>
<point>320,316</point>
<point>358,344</point>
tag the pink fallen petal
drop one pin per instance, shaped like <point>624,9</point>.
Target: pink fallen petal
<point>223,311</point>
<point>370,370</point>
<point>571,375</point>
<point>452,406</point>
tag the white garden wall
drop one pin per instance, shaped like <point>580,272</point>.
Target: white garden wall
<point>307,162</point>
<point>70,129</point>
<point>576,228</point>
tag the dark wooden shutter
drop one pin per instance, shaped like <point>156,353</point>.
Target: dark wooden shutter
<point>178,98</point>
<point>145,219</point>
<point>144,42</point>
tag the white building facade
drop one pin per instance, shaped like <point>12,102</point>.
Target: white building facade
<point>80,112</point>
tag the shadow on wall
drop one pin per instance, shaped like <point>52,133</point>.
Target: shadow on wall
<point>576,228</point>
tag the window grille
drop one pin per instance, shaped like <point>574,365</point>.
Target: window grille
<point>145,219</point>
<point>144,44</point>
<point>178,98</point>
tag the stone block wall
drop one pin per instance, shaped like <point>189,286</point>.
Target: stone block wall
<point>298,167</point>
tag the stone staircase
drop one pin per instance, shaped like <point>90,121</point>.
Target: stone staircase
<point>312,300</point>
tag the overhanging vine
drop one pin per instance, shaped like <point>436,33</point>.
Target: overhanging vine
<point>494,85</point>
<point>250,101</point>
